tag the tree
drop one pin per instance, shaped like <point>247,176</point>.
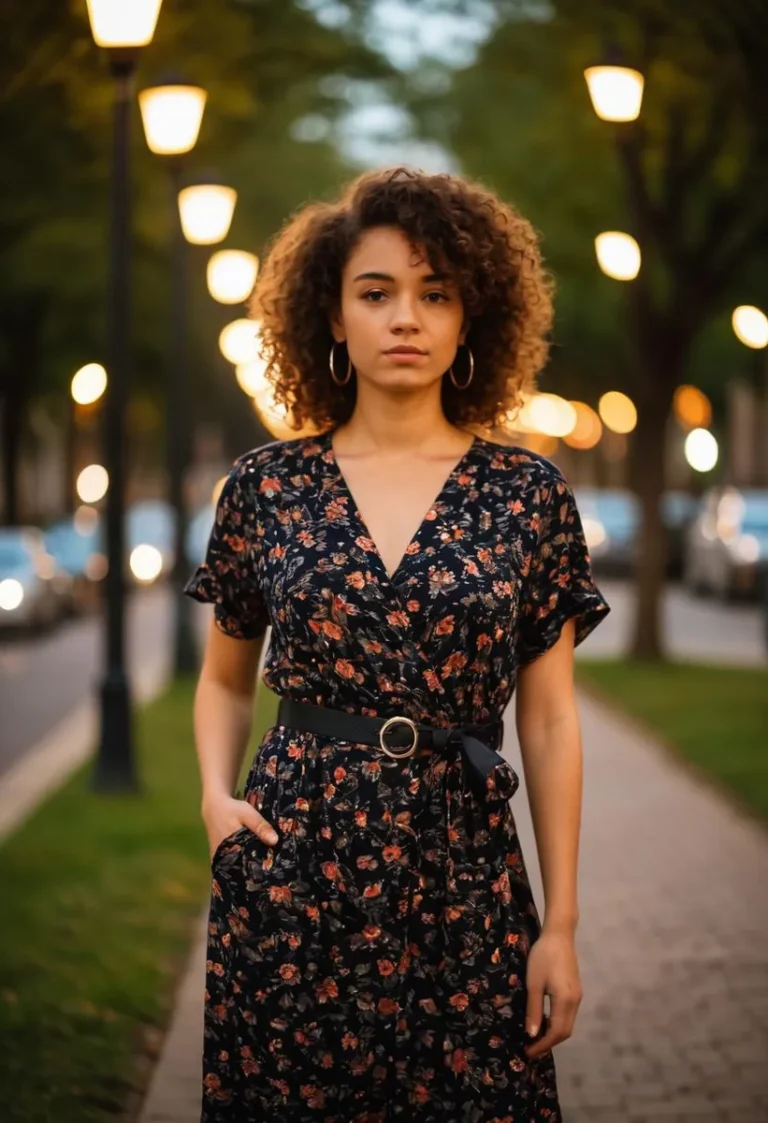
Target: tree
<point>263,65</point>
<point>689,180</point>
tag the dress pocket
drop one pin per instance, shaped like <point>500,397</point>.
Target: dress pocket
<point>231,843</point>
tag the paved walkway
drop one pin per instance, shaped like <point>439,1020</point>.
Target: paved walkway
<point>673,947</point>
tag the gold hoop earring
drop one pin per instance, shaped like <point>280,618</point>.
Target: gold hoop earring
<point>339,381</point>
<point>471,371</point>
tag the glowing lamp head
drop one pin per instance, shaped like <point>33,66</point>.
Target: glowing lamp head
<point>172,112</point>
<point>618,255</point>
<point>232,275</point>
<point>616,92</point>
<point>206,211</point>
<point>750,326</point>
<point>121,24</point>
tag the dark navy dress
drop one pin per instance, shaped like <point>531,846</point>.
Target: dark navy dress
<point>371,965</point>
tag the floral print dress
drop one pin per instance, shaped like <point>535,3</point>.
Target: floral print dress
<point>370,965</point>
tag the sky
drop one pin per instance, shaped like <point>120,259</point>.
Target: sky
<point>375,132</point>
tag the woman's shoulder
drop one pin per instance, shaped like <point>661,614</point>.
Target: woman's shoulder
<point>523,467</point>
<point>275,455</point>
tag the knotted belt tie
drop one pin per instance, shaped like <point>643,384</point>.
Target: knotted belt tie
<point>489,774</point>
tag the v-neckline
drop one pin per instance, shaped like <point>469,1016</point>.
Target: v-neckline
<point>356,514</point>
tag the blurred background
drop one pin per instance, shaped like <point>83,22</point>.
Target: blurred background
<point>150,150</point>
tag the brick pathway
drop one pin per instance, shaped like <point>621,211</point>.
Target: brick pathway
<point>673,947</point>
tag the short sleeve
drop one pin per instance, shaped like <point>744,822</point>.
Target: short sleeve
<point>228,578</point>
<point>559,583</point>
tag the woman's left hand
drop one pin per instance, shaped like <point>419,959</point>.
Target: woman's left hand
<point>552,969</point>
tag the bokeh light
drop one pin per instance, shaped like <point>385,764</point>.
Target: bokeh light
<point>92,483</point>
<point>617,411</point>
<point>588,429</point>
<point>692,408</point>
<point>618,255</point>
<point>240,342</point>
<point>701,450</point>
<point>88,384</point>
<point>146,563</point>
<point>751,326</point>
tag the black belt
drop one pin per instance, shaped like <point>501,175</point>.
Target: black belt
<point>400,737</point>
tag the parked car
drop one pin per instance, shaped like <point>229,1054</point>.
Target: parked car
<point>727,543</point>
<point>610,518</point>
<point>35,591</point>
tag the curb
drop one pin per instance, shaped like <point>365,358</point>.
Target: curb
<point>50,763</point>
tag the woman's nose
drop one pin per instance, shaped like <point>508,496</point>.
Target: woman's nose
<point>405,312</point>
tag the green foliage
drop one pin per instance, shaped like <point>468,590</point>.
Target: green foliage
<point>689,180</point>
<point>263,65</point>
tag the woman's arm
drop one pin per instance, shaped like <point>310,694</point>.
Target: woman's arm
<point>547,724</point>
<point>223,719</point>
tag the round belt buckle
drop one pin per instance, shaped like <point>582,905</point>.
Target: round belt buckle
<point>411,748</point>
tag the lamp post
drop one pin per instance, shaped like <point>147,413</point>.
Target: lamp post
<point>172,112</point>
<point>123,29</point>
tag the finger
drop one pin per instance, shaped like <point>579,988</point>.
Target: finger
<point>256,822</point>
<point>534,1007</point>
<point>559,1028</point>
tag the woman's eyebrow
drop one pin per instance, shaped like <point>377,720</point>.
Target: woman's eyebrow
<point>429,278</point>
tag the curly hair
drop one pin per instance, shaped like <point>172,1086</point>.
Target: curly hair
<point>489,248</point>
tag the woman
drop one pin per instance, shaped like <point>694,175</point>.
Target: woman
<point>374,949</point>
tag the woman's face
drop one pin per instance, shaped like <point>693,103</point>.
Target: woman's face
<point>391,298</point>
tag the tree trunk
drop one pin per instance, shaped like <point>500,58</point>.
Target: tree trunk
<point>647,471</point>
<point>12,414</point>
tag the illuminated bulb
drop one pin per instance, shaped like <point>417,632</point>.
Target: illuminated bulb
<point>618,255</point>
<point>89,384</point>
<point>92,483</point>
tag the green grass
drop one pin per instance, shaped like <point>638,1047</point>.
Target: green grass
<point>99,898</point>
<point>715,717</point>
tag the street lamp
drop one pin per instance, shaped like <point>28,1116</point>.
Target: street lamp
<point>231,276</point>
<point>172,112</point>
<point>122,28</point>
<point>206,209</point>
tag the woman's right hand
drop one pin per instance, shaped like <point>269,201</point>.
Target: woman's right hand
<point>223,815</point>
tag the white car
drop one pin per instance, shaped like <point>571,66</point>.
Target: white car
<point>34,590</point>
<point>727,543</point>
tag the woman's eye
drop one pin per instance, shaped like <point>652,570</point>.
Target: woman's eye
<point>440,295</point>
<point>374,292</point>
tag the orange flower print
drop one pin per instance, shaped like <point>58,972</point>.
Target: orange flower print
<point>356,579</point>
<point>280,894</point>
<point>373,890</point>
<point>445,626</point>
<point>289,972</point>
<point>391,853</point>
<point>270,485</point>
<point>459,1001</point>
<point>432,680</point>
<point>344,668</point>
<point>327,989</point>
<point>333,631</point>
<point>398,619</point>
